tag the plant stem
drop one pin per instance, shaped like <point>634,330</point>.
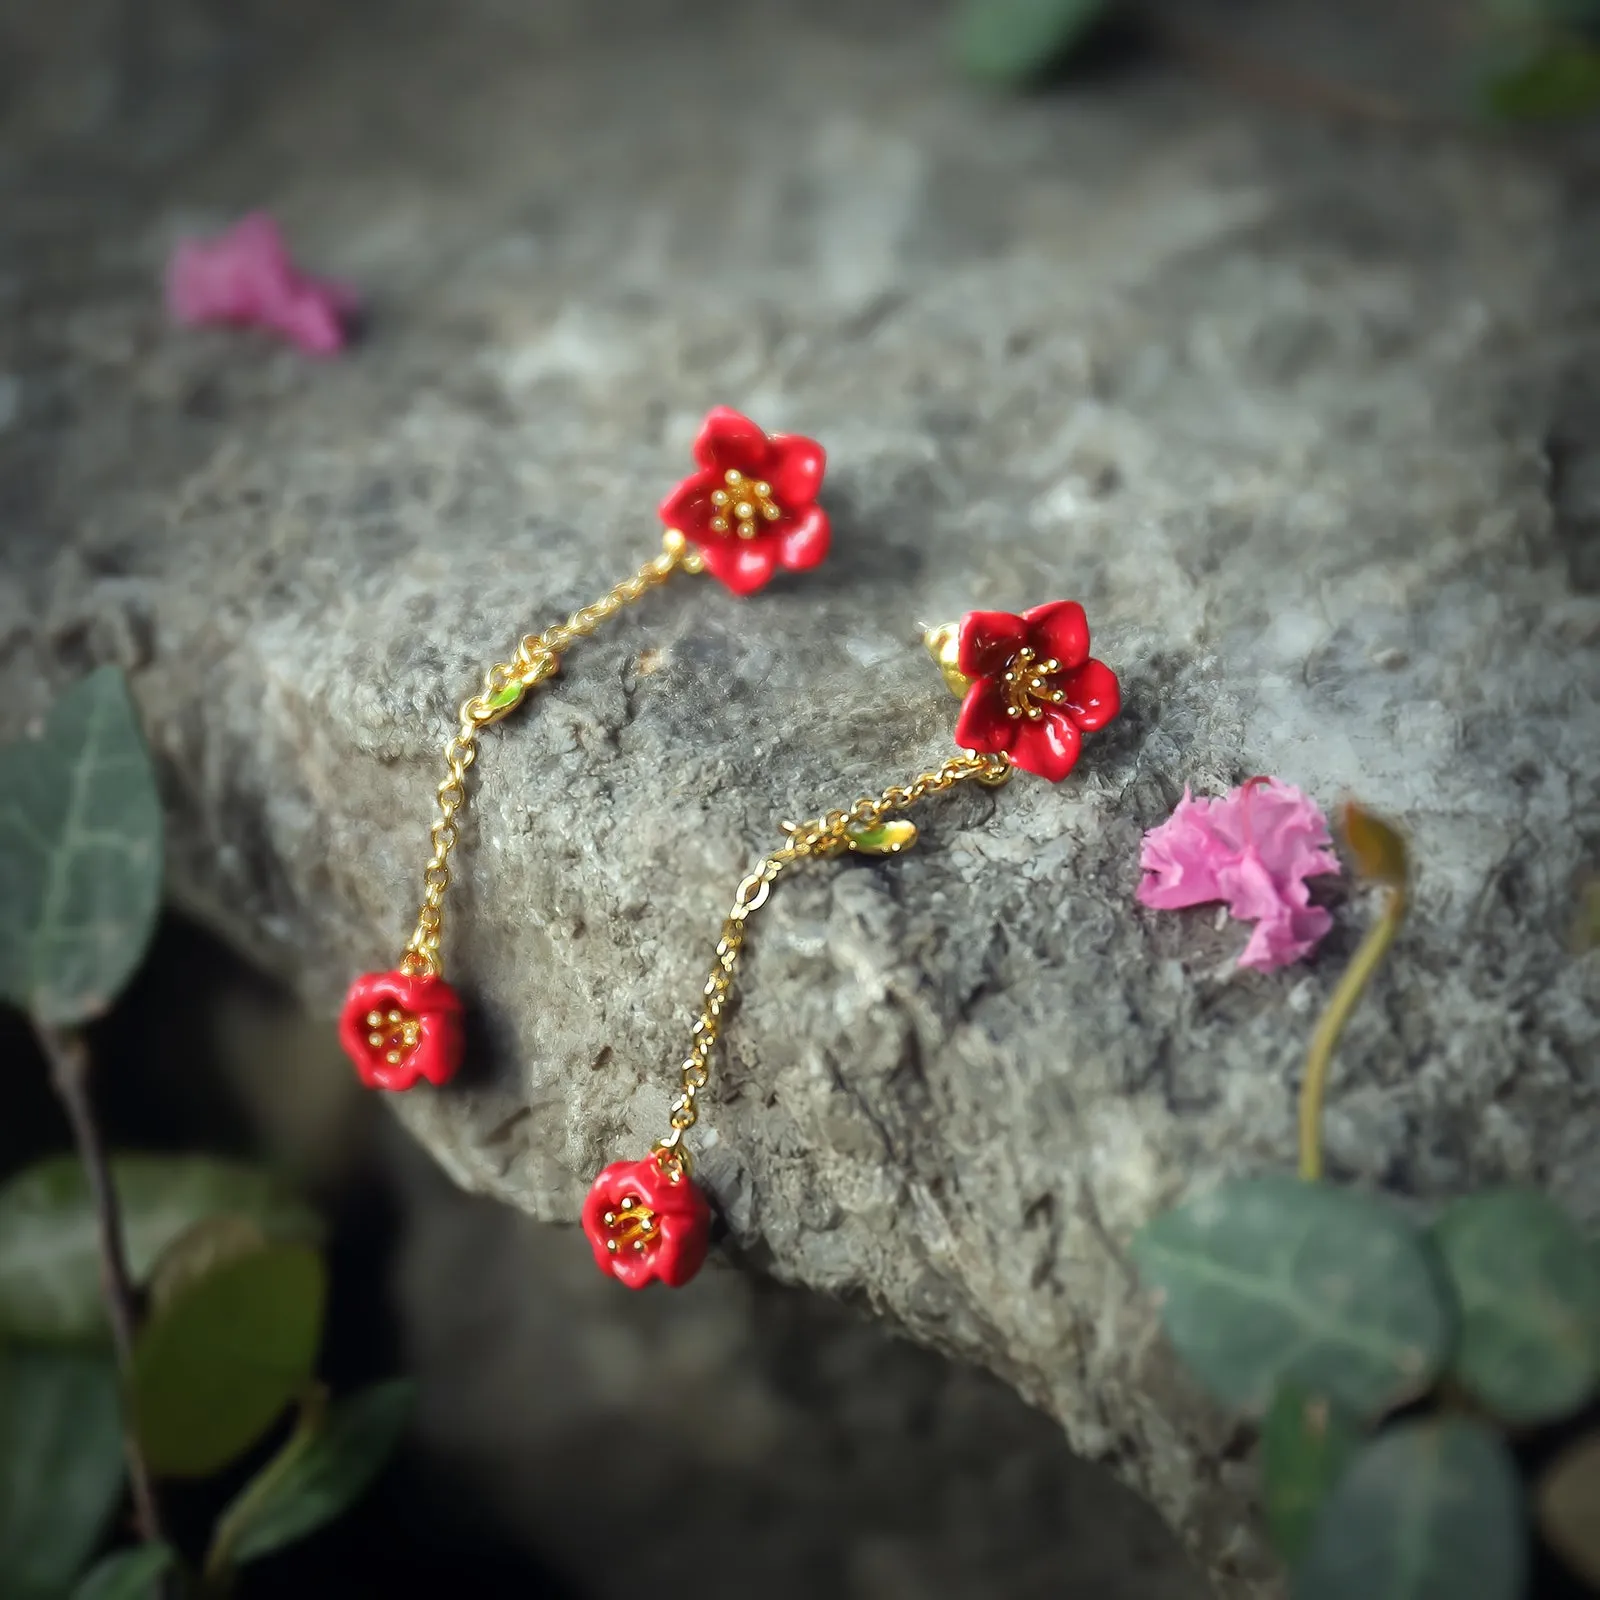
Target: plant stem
<point>238,1516</point>
<point>68,1056</point>
<point>1357,975</point>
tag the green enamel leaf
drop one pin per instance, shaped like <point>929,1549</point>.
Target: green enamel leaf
<point>1306,1443</point>
<point>887,839</point>
<point>505,698</point>
<point>325,1478</point>
<point>80,855</point>
<point>128,1575</point>
<point>49,1243</point>
<point>61,1465</point>
<point>1010,41</point>
<point>1270,1280</point>
<point>216,1367</point>
<point>1428,1511</point>
<point>1529,1291</point>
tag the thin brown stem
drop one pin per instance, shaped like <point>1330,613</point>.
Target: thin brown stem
<point>68,1056</point>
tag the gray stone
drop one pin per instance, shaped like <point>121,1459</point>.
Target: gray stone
<point>1298,413</point>
<point>754,1435</point>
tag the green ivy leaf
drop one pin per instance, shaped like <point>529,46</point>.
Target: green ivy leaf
<point>324,1479</point>
<point>1428,1511</point>
<point>1010,41</point>
<point>197,1252</point>
<point>1529,1291</point>
<point>1268,1279</point>
<point>1306,1442</point>
<point>127,1575</point>
<point>80,855</point>
<point>49,1244</point>
<point>61,1465</point>
<point>215,1368</point>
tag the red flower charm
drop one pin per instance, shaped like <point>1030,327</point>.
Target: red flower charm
<point>752,506</point>
<point>645,1220</point>
<point>398,1028</point>
<point>1035,688</point>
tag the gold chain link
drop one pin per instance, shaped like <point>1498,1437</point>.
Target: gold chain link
<point>828,835</point>
<point>536,658</point>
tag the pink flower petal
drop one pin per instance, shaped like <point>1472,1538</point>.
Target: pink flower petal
<point>1180,859</point>
<point>245,277</point>
<point>1254,848</point>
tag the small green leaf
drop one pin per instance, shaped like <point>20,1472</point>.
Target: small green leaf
<point>127,1575</point>
<point>1010,41</point>
<point>325,1479</point>
<point>61,1465</point>
<point>1428,1511</point>
<point>1560,80</point>
<point>49,1244</point>
<point>1569,1507</point>
<point>80,855</point>
<point>1270,1279</point>
<point>215,1368</point>
<point>506,697</point>
<point>1529,1291</point>
<point>1306,1443</point>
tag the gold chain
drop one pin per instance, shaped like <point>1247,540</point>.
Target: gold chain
<point>536,658</point>
<point>829,835</point>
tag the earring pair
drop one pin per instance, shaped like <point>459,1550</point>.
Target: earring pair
<point>1029,690</point>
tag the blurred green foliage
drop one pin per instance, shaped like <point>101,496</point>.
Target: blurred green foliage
<point>223,1256</point>
<point>1522,60</point>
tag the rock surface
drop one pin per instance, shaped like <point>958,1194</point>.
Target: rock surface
<point>1299,413</point>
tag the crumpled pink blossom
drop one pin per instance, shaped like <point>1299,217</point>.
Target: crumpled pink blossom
<point>1254,848</point>
<point>244,276</point>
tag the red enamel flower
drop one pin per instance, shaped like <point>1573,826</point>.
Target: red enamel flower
<point>397,1028</point>
<point>645,1221</point>
<point>752,507</point>
<point>1035,688</point>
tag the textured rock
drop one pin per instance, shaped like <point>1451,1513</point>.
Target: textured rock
<point>768,1442</point>
<point>1298,414</point>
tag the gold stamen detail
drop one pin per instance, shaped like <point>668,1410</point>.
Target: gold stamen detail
<point>393,1032</point>
<point>742,502</point>
<point>632,1224</point>
<point>1029,687</point>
